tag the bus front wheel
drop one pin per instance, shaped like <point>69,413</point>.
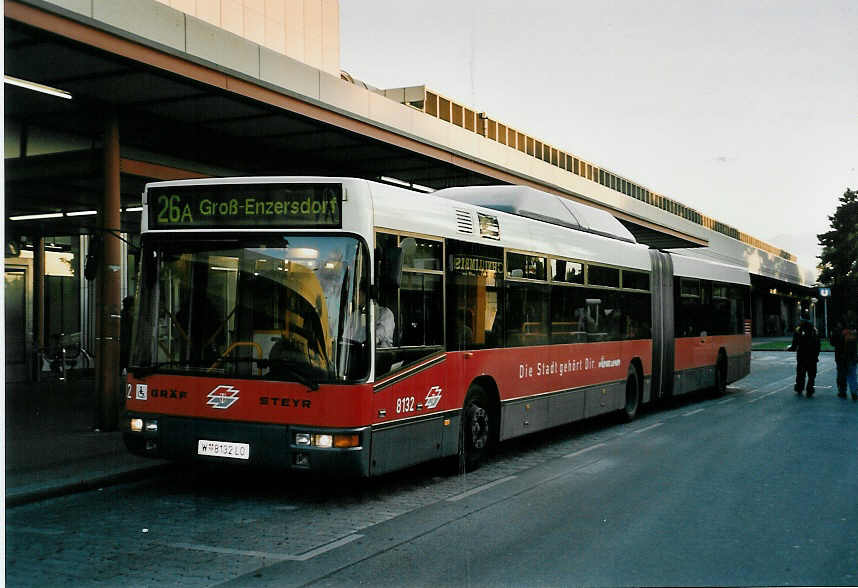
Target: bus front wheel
<point>476,428</point>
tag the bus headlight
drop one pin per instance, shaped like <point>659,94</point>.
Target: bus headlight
<point>323,440</point>
<point>327,440</point>
<point>136,425</point>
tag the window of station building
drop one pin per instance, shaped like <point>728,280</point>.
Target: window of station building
<point>598,275</point>
<point>570,272</point>
<point>633,280</point>
<point>63,270</point>
<point>520,265</point>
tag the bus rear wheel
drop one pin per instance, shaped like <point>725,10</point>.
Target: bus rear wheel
<point>477,430</point>
<point>633,395</point>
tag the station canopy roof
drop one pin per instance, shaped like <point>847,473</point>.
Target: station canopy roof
<point>177,119</point>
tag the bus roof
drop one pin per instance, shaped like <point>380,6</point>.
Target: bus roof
<point>458,218</point>
<point>539,205</point>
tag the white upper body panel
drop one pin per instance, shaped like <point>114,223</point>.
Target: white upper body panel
<point>403,210</point>
<point>695,267</point>
<point>368,205</point>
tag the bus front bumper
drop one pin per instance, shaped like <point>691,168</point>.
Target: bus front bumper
<point>330,451</point>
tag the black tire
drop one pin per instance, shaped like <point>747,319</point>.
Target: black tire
<point>721,375</point>
<point>633,395</point>
<point>477,430</point>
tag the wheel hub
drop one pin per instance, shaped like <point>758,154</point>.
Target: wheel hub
<point>479,427</point>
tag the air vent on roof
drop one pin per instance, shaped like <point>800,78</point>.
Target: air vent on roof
<point>464,222</point>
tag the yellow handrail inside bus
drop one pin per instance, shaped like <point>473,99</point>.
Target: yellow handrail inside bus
<point>239,344</point>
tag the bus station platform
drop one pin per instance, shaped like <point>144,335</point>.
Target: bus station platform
<point>51,447</point>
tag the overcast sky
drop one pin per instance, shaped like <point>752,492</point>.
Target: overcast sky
<point>744,110</point>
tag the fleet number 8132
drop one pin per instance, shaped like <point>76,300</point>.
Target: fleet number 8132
<point>407,404</point>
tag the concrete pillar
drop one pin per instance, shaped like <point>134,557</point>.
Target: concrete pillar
<point>759,315</point>
<point>38,303</point>
<point>108,284</point>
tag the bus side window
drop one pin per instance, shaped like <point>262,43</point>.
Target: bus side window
<point>527,315</point>
<point>415,301</point>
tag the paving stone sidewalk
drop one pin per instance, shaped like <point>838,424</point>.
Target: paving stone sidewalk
<point>52,447</point>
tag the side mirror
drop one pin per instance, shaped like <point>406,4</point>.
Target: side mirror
<point>93,256</point>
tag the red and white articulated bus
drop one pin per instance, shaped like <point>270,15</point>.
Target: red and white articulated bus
<point>345,326</point>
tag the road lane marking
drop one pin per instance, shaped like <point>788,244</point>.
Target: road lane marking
<point>478,489</point>
<point>585,450</point>
<point>326,548</point>
<point>230,551</point>
<point>266,554</point>
<point>726,400</point>
<point>649,428</point>
<point>35,530</point>
<point>693,412</point>
<point>763,396</point>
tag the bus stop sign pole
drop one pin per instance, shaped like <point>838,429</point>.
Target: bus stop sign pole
<point>824,293</point>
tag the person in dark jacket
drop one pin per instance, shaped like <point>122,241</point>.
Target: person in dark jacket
<point>850,356</point>
<point>839,357</point>
<point>805,343</point>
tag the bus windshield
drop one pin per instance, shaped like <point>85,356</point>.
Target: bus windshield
<point>281,307</point>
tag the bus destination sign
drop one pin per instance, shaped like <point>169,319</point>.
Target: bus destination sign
<point>245,206</point>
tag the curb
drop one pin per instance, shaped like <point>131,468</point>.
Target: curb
<point>19,498</point>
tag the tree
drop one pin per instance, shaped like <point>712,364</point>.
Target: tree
<point>839,258</point>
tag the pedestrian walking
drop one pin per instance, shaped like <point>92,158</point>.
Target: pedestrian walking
<point>805,343</point>
<point>839,357</point>
<point>850,355</point>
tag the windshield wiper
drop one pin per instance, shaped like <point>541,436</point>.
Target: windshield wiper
<point>282,368</point>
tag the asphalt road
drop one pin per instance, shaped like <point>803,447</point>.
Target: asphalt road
<point>759,487</point>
